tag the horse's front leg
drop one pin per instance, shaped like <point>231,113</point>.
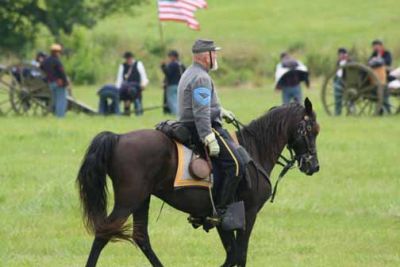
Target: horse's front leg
<point>243,236</point>
<point>229,242</point>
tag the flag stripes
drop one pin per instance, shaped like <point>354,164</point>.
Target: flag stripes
<point>180,11</point>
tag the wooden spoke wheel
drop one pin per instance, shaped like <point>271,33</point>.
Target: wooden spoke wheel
<point>6,81</point>
<point>393,105</point>
<point>352,90</point>
<point>29,93</point>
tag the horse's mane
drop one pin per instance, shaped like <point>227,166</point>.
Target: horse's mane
<point>271,129</point>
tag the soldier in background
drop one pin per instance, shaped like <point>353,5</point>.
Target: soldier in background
<point>343,59</point>
<point>288,76</point>
<point>379,51</point>
<point>131,81</point>
<point>108,100</point>
<point>57,80</point>
<point>380,61</point>
<point>39,59</point>
<point>173,71</point>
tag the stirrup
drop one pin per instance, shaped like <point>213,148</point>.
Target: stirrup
<point>214,220</point>
<point>196,222</point>
<point>210,222</point>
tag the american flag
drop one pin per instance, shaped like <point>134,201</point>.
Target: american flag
<point>180,11</point>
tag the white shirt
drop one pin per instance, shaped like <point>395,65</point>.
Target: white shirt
<point>281,70</point>
<point>339,73</point>
<point>144,81</point>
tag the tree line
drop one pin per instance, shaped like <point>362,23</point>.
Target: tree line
<point>20,20</point>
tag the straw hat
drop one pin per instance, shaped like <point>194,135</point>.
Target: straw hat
<point>56,47</point>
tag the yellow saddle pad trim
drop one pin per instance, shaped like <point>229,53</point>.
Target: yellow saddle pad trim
<point>182,177</point>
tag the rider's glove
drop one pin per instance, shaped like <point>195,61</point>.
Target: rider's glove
<point>212,144</point>
<point>227,115</point>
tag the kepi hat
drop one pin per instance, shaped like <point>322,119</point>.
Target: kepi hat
<point>202,45</point>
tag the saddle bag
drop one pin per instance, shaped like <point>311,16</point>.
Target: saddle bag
<point>199,168</point>
<point>176,131</point>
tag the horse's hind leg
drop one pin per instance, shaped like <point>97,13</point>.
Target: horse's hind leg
<point>101,241</point>
<point>97,247</point>
<point>140,233</point>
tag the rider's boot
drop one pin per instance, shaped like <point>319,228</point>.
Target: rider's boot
<point>226,196</point>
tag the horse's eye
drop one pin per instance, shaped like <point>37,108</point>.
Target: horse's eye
<point>309,128</point>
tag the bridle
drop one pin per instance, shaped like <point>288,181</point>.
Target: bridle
<point>304,126</point>
<point>301,144</point>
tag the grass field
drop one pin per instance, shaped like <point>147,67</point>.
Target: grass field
<point>346,215</point>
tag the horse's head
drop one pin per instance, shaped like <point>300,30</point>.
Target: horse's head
<point>303,140</point>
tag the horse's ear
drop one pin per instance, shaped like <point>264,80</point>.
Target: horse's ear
<point>308,106</point>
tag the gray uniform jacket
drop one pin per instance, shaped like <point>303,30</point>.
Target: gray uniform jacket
<point>197,100</point>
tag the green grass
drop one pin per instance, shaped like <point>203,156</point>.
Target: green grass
<point>346,215</point>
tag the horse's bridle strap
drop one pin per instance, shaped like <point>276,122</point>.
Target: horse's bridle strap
<point>289,164</point>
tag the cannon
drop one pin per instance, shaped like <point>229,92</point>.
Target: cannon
<point>24,91</point>
<point>355,89</point>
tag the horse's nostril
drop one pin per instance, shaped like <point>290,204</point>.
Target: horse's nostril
<point>317,168</point>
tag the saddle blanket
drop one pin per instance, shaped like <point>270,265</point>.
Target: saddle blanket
<point>183,177</point>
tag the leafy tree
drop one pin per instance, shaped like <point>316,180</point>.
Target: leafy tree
<point>20,19</point>
<point>16,25</point>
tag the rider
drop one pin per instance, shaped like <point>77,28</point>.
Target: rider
<point>200,111</point>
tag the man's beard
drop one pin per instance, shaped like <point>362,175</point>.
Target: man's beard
<point>214,66</point>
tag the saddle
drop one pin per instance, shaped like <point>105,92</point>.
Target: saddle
<point>176,131</point>
<point>199,167</point>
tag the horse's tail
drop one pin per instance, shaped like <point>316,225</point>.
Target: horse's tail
<point>92,187</point>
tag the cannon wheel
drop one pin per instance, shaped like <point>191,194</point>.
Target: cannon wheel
<point>394,100</point>
<point>29,94</point>
<point>5,85</point>
<point>361,93</point>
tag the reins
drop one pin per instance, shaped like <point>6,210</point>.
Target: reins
<point>286,167</point>
<point>287,164</point>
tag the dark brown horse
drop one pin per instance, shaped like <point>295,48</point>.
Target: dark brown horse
<point>143,163</point>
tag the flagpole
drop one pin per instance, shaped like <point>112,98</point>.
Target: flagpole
<point>160,29</point>
<point>163,51</point>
